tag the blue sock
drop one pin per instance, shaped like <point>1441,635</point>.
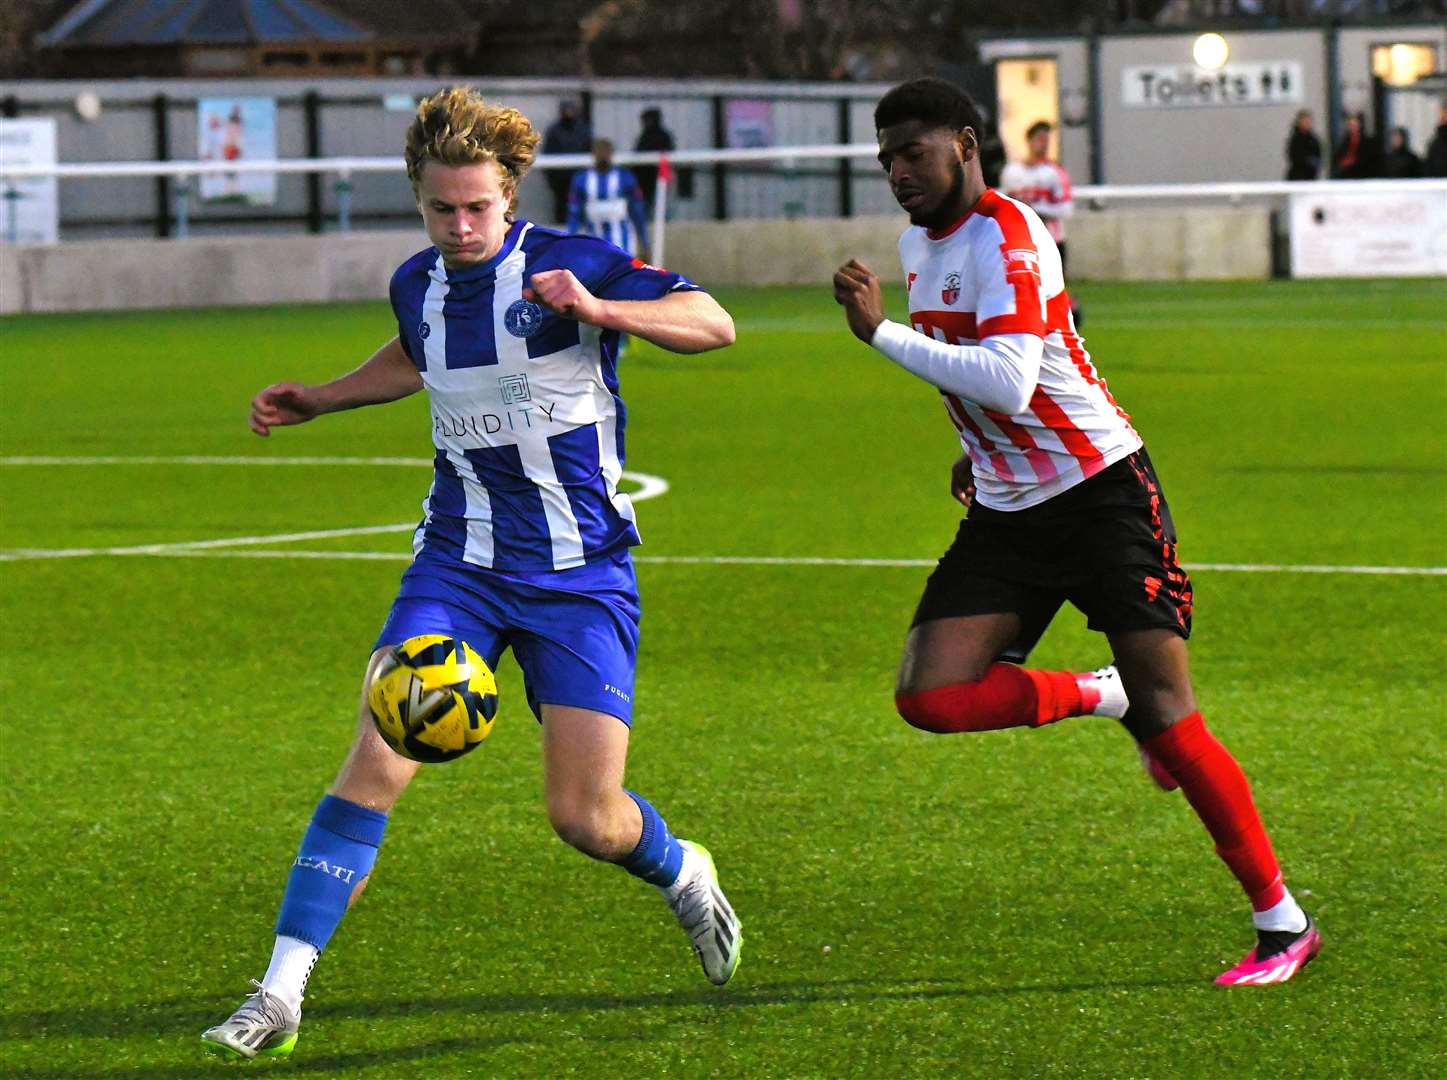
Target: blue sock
<point>338,851</point>
<point>658,857</point>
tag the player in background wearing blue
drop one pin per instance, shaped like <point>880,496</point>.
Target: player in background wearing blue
<point>512,330</point>
<point>606,201</point>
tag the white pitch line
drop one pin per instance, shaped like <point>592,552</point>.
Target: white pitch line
<point>1288,568</point>
<point>649,486</point>
<point>200,545</point>
<point>201,459</point>
<point>215,550</point>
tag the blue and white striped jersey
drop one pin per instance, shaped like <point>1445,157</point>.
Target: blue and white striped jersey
<point>526,416</point>
<point>609,205</point>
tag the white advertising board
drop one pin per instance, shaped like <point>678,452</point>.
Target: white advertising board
<point>1371,234</point>
<point>1177,86</point>
<point>29,209</point>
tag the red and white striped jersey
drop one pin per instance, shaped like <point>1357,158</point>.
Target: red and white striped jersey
<point>1045,187</point>
<point>997,271</point>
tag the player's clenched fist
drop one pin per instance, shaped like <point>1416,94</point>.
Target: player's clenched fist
<point>857,288</point>
<point>563,294</point>
<point>962,481</point>
<point>281,404</point>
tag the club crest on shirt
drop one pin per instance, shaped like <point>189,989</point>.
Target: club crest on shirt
<point>951,292</point>
<point>523,318</point>
<point>423,330</point>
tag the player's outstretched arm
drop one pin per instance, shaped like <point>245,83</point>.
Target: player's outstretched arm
<point>686,321</point>
<point>386,376</point>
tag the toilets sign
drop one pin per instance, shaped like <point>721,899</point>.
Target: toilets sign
<point>1185,86</point>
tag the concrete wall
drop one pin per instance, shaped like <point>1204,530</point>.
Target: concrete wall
<point>114,275</point>
<point>107,275</point>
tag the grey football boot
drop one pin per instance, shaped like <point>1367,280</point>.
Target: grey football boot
<point>264,1026</point>
<point>705,915</point>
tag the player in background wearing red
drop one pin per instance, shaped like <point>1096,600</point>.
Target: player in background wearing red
<point>1063,502</point>
<point>1044,186</point>
<point>1041,184</point>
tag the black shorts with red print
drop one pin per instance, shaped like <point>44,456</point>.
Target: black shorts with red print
<point>1107,545</point>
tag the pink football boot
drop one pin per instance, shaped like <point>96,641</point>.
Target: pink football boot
<point>1281,962</point>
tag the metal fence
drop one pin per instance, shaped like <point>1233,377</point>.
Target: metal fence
<point>157,121</point>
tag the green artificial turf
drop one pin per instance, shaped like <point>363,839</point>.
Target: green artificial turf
<point>1012,904</point>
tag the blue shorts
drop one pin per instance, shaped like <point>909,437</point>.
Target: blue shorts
<point>574,632</point>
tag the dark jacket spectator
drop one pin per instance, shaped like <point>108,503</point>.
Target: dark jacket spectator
<point>1437,148</point>
<point>653,138</point>
<point>1303,150</point>
<point>1400,163</point>
<point>1358,157</point>
<point>568,134</point>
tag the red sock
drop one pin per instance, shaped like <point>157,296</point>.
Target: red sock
<point>1217,789</point>
<point>1006,697</point>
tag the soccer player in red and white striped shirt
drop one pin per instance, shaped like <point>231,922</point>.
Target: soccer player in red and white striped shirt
<point>1063,502</point>
<point>1041,184</point>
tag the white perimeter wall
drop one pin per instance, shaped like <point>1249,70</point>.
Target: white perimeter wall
<point>109,275</point>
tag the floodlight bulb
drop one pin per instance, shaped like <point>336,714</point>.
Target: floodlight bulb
<point>1210,52</point>
<point>87,105</point>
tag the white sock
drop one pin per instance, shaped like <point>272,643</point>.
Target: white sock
<point>291,965</point>
<point>1285,915</point>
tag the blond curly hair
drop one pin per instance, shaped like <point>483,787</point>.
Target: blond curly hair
<point>457,126</point>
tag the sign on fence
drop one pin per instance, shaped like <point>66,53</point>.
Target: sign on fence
<point>237,129</point>
<point>30,213</point>
<point>1377,234</point>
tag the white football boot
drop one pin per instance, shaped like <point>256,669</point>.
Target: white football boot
<point>264,1026</point>
<point>705,914</point>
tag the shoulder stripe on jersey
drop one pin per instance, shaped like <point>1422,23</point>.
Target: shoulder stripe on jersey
<point>1004,213</point>
<point>1022,269</point>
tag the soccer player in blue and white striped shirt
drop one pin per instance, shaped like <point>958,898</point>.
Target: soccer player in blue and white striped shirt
<point>513,332</point>
<point>606,201</point>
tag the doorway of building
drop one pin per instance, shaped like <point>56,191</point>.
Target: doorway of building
<point>1027,89</point>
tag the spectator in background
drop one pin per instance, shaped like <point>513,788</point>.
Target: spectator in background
<point>568,134</point>
<point>1400,163</point>
<point>1303,150</point>
<point>605,201</point>
<point>1357,155</point>
<point>1437,148</point>
<point>654,138</point>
